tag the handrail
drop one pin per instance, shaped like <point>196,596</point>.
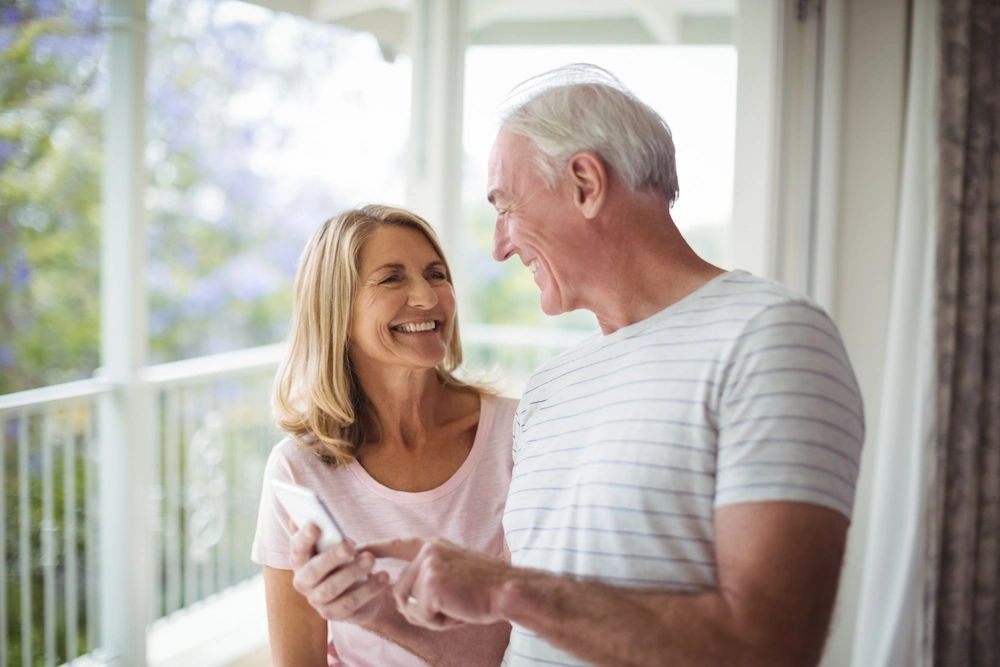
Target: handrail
<point>257,358</point>
<point>215,365</point>
<point>55,393</point>
<point>521,336</point>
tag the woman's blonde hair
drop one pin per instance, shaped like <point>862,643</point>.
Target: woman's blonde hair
<point>317,397</point>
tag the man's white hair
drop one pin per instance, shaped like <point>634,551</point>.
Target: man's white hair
<point>585,108</point>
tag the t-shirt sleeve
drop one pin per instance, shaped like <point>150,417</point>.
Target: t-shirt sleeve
<point>791,421</point>
<point>271,542</point>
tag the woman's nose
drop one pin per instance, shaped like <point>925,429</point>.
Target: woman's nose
<point>422,294</point>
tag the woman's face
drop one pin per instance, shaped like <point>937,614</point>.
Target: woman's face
<point>404,310</point>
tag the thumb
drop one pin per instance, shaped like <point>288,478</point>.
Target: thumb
<point>401,549</point>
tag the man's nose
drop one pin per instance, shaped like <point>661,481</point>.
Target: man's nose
<point>501,241</point>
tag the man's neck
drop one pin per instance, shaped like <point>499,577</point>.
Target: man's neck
<point>649,267</point>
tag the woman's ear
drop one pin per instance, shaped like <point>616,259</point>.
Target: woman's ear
<point>589,181</point>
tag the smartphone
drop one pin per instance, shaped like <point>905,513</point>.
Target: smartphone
<point>305,507</point>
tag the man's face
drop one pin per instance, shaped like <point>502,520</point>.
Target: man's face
<point>533,222</point>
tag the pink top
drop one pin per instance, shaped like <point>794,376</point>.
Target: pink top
<point>467,509</point>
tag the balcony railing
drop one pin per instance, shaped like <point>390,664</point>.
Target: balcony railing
<point>210,433</point>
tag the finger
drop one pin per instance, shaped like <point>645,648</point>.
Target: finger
<point>340,581</point>
<point>401,549</point>
<point>402,590</point>
<point>303,544</point>
<point>345,606</point>
<point>422,606</point>
<point>310,573</point>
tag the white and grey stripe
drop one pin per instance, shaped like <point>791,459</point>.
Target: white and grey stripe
<point>626,444</point>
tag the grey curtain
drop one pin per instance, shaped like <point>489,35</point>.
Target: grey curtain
<point>962,620</point>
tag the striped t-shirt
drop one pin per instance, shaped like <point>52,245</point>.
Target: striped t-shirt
<point>624,444</point>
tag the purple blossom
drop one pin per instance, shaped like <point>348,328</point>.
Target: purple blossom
<point>249,279</point>
<point>207,295</point>
<point>64,47</point>
<point>21,272</point>
<point>6,148</point>
<point>158,276</point>
<point>10,16</point>
<point>13,426</point>
<point>47,7</point>
<point>159,322</point>
<point>7,357</point>
<point>86,12</point>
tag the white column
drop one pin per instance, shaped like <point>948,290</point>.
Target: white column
<point>758,121</point>
<point>437,45</point>
<point>123,429</point>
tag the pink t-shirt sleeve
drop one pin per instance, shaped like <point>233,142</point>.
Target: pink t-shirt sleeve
<point>271,542</point>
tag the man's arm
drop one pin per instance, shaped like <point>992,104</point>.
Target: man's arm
<point>327,582</point>
<point>778,567</point>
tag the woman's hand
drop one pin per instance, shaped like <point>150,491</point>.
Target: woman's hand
<point>334,581</point>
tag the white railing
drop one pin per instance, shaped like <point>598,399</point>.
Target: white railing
<point>210,434</point>
<point>49,445</point>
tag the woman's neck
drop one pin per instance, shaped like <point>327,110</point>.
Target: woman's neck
<point>406,402</point>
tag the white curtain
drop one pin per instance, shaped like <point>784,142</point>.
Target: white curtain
<point>889,621</point>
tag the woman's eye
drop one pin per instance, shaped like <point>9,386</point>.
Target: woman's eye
<point>437,275</point>
<point>390,279</point>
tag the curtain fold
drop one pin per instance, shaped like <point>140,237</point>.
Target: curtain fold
<point>963,595</point>
<point>888,626</point>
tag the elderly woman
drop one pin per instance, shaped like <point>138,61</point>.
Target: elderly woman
<point>391,441</point>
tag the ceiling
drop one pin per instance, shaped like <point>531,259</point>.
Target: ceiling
<point>538,22</point>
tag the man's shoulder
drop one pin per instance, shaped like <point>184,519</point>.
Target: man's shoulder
<point>565,360</point>
<point>744,287</point>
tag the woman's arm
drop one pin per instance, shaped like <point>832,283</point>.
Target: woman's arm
<point>297,632</point>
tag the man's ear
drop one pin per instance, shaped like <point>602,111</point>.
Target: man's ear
<point>588,180</point>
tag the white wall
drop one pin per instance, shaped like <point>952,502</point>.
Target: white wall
<point>871,144</point>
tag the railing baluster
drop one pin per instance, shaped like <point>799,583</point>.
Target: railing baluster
<point>208,557</point>
<point>91,526</point>
<point>24,517</point>
<point>69,525</point>
<point>172,530</point>
<point>48,541</point>
<point>4,618</point>
<point>234,427</point>
<point>189,426</point>
<point>156,507</point>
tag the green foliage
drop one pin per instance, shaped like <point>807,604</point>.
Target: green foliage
<point>50,162</point>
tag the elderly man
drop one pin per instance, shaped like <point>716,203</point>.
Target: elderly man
<point>683,480</point>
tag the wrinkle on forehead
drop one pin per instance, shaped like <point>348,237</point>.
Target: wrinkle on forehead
<point>509,150</point>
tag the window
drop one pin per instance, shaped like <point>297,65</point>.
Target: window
<point>692,86</point>
<point>250,147</point>
<point>52,75</point>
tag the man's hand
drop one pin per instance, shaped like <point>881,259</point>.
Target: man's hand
<point>444,586</point>
<point>331,580</point>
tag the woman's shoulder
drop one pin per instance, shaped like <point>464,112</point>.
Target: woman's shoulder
<point>297,453</point>
<point>497,413</point>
